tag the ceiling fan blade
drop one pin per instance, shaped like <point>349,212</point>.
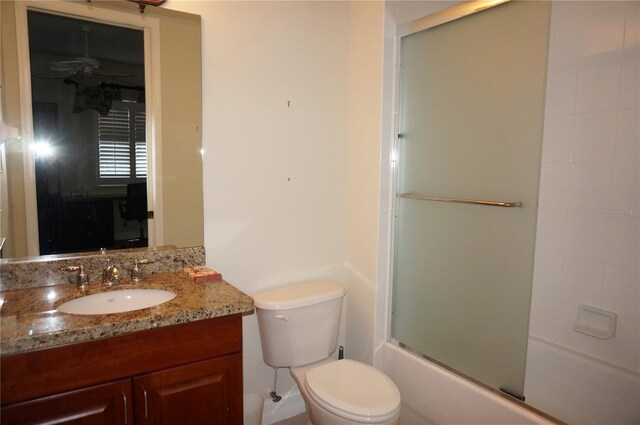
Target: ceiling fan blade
<point>85,70</point>
<point>43,70</point>
<point>74,65</point>
<point>85,64</point>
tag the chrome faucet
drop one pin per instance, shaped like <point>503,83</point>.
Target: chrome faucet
<point>111,275</point>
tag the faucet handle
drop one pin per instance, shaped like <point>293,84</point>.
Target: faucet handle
<point>82,279</point>
<point>136,273</point>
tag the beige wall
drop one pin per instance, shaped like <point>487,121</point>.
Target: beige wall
<point>16,232</point>
<point>10,89</point>
<point>363,169</point>
<point>182,162</point>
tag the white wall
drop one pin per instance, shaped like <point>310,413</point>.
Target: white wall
<point>290,189</point>
<point>274,175</point>
<point>588,223</point>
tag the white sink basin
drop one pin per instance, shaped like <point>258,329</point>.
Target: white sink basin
<point>117,301</point>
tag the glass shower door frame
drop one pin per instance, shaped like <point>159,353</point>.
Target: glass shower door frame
<point>496,273</point>
<point>423,23</point>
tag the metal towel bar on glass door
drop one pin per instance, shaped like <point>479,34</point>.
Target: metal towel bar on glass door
<point>461,201</point>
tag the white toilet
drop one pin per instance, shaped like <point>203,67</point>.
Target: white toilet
<point>299,330</point>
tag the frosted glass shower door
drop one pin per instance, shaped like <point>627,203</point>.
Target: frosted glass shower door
<point>471,119</point>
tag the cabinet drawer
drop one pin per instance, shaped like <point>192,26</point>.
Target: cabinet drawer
<point>109,403</point>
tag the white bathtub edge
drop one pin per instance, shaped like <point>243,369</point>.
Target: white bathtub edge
<point>444,397</point>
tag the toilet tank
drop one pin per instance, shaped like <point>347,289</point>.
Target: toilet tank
<point>299,323</point>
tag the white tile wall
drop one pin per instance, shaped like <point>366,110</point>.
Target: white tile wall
<point>589,212</point>
<point>587,391</point>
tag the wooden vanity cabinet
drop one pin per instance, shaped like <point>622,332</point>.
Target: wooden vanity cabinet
<point>181,374</point>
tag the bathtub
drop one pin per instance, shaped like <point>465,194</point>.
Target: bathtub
<point>570,386</point>
<point>433,395</point>
<point>580,389</point>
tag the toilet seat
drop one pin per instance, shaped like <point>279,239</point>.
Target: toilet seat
<point>354,391</point>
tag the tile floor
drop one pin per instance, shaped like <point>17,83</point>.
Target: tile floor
<point>301,419</point>
<point>408,416</point>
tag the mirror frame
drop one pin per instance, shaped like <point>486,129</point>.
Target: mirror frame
<point>87,11</point>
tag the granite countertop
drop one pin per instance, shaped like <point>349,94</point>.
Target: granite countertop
<point>29,319</point>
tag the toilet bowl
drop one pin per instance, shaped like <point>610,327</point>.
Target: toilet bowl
<point>299,330</point>
<point>347,392</point>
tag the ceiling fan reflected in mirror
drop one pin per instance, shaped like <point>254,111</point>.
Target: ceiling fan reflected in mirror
<point>84,70</point>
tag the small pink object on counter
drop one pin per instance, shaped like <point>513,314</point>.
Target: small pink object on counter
<point>202,274</point>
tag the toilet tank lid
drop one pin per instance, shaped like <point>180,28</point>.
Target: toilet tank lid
<point>299,295</point>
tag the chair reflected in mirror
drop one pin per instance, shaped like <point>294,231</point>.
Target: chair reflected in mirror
<point>135,209</point>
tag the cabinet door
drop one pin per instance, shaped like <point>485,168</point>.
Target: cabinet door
<point>206,392</point>
<point>104,404</point>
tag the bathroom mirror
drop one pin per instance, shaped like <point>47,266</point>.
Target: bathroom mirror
<point>165,79</point>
